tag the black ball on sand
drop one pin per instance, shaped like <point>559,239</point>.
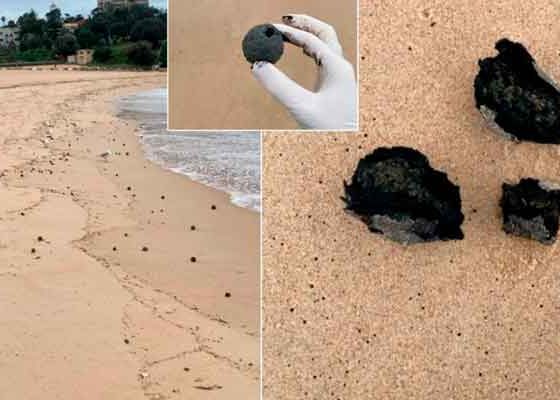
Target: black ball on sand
<point>263,43</point>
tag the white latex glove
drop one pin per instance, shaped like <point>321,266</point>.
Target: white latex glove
<point>333,106</point>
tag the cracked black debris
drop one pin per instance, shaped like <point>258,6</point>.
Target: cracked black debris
<point>397,193</point>
<point>516,97</point>
<point>531,209</point>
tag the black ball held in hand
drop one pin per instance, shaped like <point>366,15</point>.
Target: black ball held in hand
<point>263,43</point>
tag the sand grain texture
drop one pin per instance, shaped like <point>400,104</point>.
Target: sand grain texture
<point>351,315</point>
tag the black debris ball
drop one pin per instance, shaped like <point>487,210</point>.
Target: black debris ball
<point>263,43</point>
<point>531,209</point>
<point>517,97</point>
<point>397,193</point>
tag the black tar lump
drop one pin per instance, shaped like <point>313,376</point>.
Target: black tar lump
<point>531,209</point>
<point>396,193</point>
<point>517,97</point>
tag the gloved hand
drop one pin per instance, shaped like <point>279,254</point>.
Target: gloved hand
<point>333,106</point>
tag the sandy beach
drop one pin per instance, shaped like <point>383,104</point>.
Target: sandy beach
<point>107,293</point>
<point>211,85</point>
<point>351,315</point>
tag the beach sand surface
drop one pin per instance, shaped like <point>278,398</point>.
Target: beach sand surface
<point>99,297</point>
<point>351,315</point>
<point>211,85</point>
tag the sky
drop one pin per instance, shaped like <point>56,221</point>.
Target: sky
<point>12,9</point>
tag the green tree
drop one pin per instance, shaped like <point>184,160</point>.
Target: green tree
<point>3,19</point>
<point>100,24</point>
<point>29,23</point>
<point>138,12</point>
<point>30,41</point>
<point>141,53</point>
<point>11,24</point>
<point>86,38</point>
<point>66,44</point>
<point>149,29</point>
<point>53,23</point>
<point>119,30</point>
<point>163,54</point>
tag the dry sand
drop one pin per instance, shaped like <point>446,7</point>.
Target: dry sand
<point>211,86</point>
<point>350,315</point>
<point>85,312</point>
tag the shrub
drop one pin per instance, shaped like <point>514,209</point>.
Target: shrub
<point>141,53</point>
<point>102,54</point>
<point>35,55</point>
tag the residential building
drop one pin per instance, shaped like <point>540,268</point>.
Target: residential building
<point>9,37</point>
<point>82,57</point>
<point>121,3</point>
<point>72,26</point>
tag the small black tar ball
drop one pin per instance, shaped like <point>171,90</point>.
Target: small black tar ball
<point>517,97</point>
<point>531,209</point>
<point>263,43</point>
<point>396,192</point>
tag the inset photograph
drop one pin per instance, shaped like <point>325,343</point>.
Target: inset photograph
<point>254,65</point>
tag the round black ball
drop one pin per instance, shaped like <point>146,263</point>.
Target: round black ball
<point>263,43</point>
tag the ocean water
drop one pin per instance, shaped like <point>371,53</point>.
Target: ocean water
<point>227,161</point>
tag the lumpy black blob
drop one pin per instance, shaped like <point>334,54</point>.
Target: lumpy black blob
<point>263,43</point>
<point>397,193</point>
<point>531,209</point>
<point>514,94</point>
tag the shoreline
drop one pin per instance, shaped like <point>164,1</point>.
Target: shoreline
<point>148,122</point>
<point>80,285</point>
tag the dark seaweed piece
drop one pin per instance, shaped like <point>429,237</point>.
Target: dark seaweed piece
<point>397,193</point>
<point>531,209</point>
<point>263,43</point>
<point>513,93</point>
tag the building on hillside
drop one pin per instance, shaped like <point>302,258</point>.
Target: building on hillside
<point>82,57</point>
<point>103,4</point>
<point>72,26</point>
<point>9,37</point>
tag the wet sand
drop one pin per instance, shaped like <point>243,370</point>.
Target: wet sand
<point>351,315</point>
<point>100,298</point>
<point>211,86</point>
